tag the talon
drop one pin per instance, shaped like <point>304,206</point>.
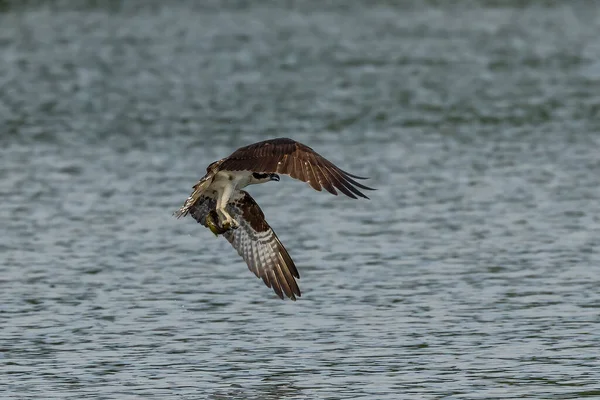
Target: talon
<point>229,224</point>
<point>226,225</point>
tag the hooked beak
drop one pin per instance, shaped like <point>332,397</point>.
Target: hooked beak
<point>275,177</point>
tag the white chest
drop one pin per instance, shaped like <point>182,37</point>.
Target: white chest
<point>229,179</point>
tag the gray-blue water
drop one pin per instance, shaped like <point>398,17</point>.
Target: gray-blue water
<point>472,273</point>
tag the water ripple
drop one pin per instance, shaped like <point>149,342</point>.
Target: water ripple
<point>470,274</point>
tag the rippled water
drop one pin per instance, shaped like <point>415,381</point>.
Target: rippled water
<point>472,273</point>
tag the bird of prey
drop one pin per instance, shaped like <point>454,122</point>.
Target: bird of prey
<point>219,203</point>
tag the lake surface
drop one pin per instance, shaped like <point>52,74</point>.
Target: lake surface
<point>472,273</point>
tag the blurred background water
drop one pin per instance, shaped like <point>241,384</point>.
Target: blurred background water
<point>472,273</point>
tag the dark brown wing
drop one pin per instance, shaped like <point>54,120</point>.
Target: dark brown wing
<point>256,242</point>
<point>286,156</point>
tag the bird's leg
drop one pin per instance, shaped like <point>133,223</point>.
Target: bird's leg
<point>223,198</point>
<point>227,221</point>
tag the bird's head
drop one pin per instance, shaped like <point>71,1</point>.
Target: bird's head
<point>262,178</point>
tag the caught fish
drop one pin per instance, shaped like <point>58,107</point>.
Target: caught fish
<point>213,223</point>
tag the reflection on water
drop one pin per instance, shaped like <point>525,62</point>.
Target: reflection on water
<point>471,272</point>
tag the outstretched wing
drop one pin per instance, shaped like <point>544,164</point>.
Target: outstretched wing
<point>286,156</point>
<point>256,242</point>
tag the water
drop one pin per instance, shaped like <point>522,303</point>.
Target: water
<point>472,273</point>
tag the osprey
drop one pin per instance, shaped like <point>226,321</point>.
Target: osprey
<point>219,203</point>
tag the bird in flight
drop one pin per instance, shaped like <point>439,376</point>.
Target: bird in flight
<point>219,203</point>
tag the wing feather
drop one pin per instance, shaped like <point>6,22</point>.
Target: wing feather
<point>286,156</point>
<point>274,282</point>
<point>297,171</point>
<point>256,242</point>
<point>343,183</point>
<point>323,176</point>
<point>311,176</point>
<point>200,209</point>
